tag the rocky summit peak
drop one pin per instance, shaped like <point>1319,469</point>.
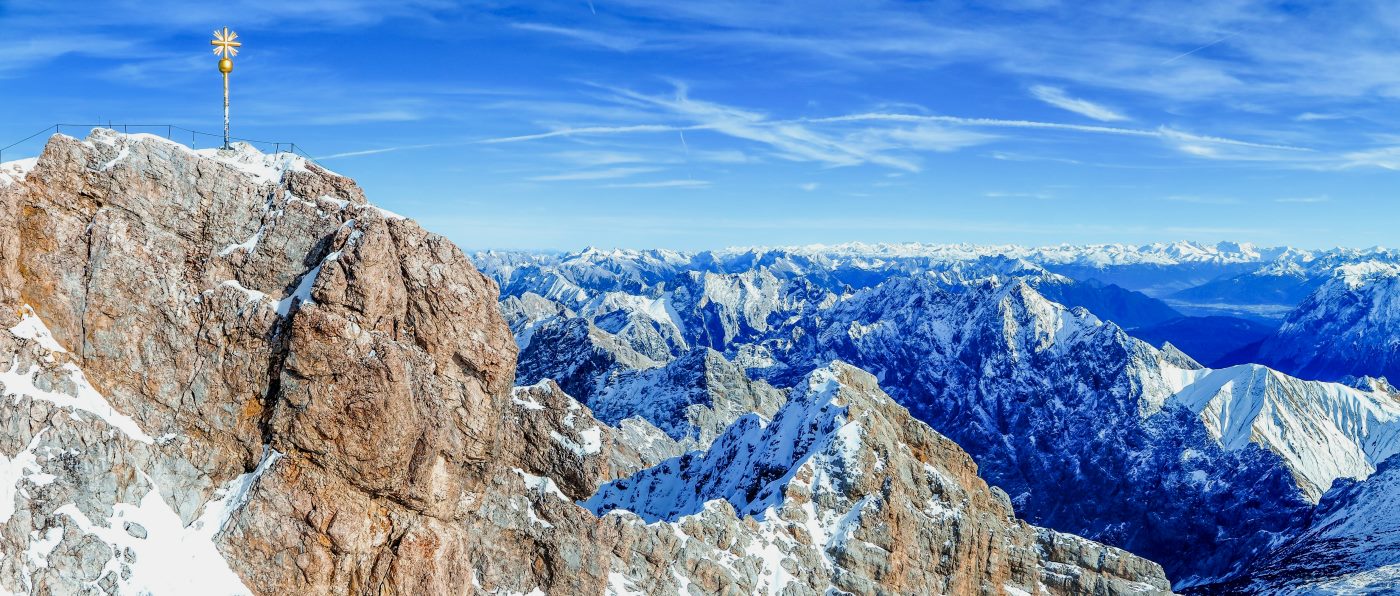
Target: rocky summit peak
<point>226,372</point>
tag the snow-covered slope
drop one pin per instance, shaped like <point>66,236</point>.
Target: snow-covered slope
<point>73,438</point>
<point>1350,326</point>
<point>843,483</point>
<point>1323,431</point>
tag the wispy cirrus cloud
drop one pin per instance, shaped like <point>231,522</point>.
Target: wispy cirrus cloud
<point>1057,97</point>
<point>389,115</point>
<point>23,52</point>
<point>1196,145</point>
<point>686,183</point>
<point>366,152</point>
<point>605,174</point>
<point>611,42</point>
<point>1159,133</point>
<point>792,140</point>
<point>890,139</point>
<point>1316,117</point>
<point>589,131</point>
<point>599,158</point>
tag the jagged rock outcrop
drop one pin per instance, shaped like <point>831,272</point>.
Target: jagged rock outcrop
<point>1069,415</point>
<point>578,355</point>
<point>847,490</point>
<point>525,313</point>
<point>229,374</point>
<point>558,437</point>
<point>692,399</point>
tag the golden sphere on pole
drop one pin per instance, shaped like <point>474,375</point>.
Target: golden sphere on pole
<point>226,46</point>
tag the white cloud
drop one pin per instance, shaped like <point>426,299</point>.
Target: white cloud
<point>605,174</point>
<point>599,158</point>
<point>1194,144</point>
<point>809,186</point>
<point>374,151</point>
<point>892,140</point>
<point>1315,116</point>
<point>1384,157</point>
<point>611,42</point>
<point>663,184</point>
<point>398,115</point>
<point>834,144</point>
<point>589,130</point>
<point>789,140</point>
<point>1057,97</point>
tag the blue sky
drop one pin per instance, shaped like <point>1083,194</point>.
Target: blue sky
<point>650,123</point>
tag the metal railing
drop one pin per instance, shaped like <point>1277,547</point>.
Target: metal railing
<point>169,131</point>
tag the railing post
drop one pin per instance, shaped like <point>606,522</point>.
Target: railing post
<point>278,147</point>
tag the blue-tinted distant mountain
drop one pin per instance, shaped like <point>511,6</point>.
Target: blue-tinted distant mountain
<point>1349,326</point>
<point>1214,341</point>
<point>573,278</point>
<point>1272,290</point>
<point>1110,302</point>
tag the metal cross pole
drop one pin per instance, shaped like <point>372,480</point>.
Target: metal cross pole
<point>225,110</point>
<point>226,48</point>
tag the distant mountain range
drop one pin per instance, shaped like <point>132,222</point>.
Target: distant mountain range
<point>1088,429</point>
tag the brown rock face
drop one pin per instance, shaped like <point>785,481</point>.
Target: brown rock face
<point>228,373</point>
<point>240,301</point>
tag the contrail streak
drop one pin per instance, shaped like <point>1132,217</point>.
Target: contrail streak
<point>1211,44</point>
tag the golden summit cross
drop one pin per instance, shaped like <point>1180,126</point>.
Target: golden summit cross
<point>225,47</point>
